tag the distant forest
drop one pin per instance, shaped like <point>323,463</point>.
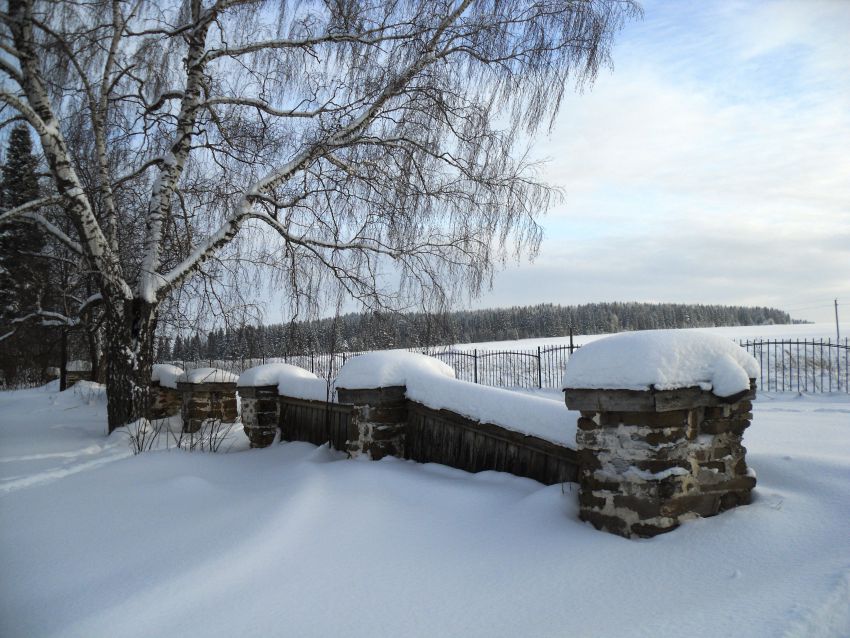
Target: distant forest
<point>375,331</point>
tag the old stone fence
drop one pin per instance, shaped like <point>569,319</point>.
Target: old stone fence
<point>646,455</point>
<point>389,420</point>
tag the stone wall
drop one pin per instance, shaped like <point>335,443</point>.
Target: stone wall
<point>379,419</point>
<point>650,460</point>
<point>260,414</point>
<point>165,401</point>
<point>202,401</point>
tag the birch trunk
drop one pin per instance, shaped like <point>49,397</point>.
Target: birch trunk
<point>129,357</point>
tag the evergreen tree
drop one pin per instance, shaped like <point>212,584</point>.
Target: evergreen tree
<point>21,269</point>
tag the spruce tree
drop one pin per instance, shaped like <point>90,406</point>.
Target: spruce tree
<point>22,272</point>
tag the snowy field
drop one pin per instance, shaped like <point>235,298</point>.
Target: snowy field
<point>295,540</point>
<point>787,331</point>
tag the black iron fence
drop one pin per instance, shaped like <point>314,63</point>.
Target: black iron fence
<point>802,365</point>
<point>791,365</point>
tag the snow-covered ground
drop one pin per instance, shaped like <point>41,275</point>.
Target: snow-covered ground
<point>295,540</point>
<point>787,331</point>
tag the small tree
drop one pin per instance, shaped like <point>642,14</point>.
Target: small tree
<point>361,143</point>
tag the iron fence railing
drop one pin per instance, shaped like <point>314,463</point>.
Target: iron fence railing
<point>801,365</point>
<point>790,365</point>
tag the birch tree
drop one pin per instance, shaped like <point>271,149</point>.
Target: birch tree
<point>340,141</point>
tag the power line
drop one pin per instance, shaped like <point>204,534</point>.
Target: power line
<point>808,308</point>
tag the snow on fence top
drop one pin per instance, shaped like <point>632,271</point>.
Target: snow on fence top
<point>291,381</point>
<point>523,413</point>
<point>272,374</point>
<point>166,374</point>
<point>432,383</point>
<point>207,375</point>
<point>663,360</point>
<point>385,369</point>
<point>78,366</point>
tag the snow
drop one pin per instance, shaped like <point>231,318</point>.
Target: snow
<point>538,416</point>
<point>432,383</point>
<point>291,381</point>
<point>823,331</point>
<point>166,374</point>
<point>664,360</point>
<point>78,366</point>
<point>299,540</point>
<point>389,368</point>
<point>207,375</point>
<point>307,388</point>
<point>272,374</point>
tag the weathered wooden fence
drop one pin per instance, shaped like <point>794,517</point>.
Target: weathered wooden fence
<point>438,436</point>
<point>798,365</point>
<point>315,422</point>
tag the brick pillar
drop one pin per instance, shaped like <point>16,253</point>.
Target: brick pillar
<point>203,401</point>
<point>650,460</point>
<point>165,401</point>
<point>260,413</point>
<point>379,421</point>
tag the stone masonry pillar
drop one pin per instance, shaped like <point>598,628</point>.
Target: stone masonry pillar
<point>207,393</point>
<point>379,421</point>
<point>260,413</point>
<point>164,401</point>
<point>649,460</point>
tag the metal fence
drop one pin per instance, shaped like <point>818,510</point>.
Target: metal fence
<point>802,365</point>
<point>798,365</point>
<point>540,368</point>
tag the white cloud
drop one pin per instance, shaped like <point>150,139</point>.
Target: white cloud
<point>700,171</point>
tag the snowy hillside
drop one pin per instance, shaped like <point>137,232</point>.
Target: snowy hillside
<point>786,331</point>
<point>296,540</point>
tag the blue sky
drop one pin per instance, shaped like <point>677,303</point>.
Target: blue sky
<point>711,165</point>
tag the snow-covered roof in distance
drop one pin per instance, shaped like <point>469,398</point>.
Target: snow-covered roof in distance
<point>661,359</point>
<point>166,374</point>
<point>389,368</point>
<point>207,375</point>
<point>78,366</point>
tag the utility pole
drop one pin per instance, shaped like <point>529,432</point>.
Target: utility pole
<point>838,342</point>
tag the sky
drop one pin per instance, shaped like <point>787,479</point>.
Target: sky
<point>710,165</point>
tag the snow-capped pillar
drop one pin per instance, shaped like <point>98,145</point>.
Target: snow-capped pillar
<point>379,420</point>
<point>649,460</point>
<point>165,399</point>
<point>260,413</point>
<point>659,439</point>
<point>207,394</point>
<point>77,371</point>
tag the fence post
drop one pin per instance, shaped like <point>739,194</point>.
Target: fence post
<point>312,364</point>
<point>475,363</point>
<point>571,338</point>
<point>539,371</point>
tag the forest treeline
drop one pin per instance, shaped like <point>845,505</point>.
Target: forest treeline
<point>375,331</point>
